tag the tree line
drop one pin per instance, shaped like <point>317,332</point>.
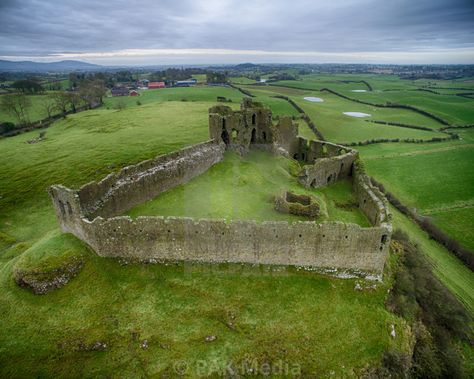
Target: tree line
<point>18,104</point>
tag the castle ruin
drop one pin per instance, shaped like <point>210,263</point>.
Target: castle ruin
<point>93,212</point>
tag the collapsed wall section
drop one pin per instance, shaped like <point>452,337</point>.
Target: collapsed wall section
<point>371,201</point>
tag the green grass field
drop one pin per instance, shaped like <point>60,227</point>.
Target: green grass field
<point>244,188</point>
<point>454,109</point>
<point>35,112</point>
<point>319,324</point>
<point>258,314</point>
<point>436,179</point>
<point>337,127</point>
<point>316,322</point>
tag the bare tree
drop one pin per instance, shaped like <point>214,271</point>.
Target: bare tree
<point>16,105</point>
<point>92,92</point>
<point>48,105</point>
<point>61,101</point>
<point>74,100</point>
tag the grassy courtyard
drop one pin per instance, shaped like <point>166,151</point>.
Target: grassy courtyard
<point>245,188</point>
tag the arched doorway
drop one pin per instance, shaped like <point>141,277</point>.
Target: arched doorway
<point>253,139</point>
<point>225,136</point>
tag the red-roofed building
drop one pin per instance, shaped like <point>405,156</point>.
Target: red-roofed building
<point>134,93</point>
<point>155,85</point>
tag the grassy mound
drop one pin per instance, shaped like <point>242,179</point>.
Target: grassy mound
<point>49,264</point>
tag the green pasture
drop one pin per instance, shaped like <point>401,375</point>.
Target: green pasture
<point>245,188</point>
<point>35,112</point>
<point>197,93</point>
<point>316,322</point>
<point>338,127</point>
<point>242,80</point>
<point>319,325</point>
<point>450,270</point>
<point>257,314</point>
<point>454,109</point>
<point>435,179</point>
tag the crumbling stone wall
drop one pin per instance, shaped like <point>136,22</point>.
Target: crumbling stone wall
<point>301,205</point>
<point>91,213</point>
<point>251,125</point>
<point>135,184</point>
<point>309,244</point>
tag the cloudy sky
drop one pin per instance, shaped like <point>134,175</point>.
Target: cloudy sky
<point>234,31</point>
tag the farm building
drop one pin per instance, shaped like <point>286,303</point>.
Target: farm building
<point>185,83</point>
<point>155,85</point>
<point>134,93</point>
<point>119,91</point>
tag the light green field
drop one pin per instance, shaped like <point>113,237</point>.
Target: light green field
<point>244,188</point>
<point>457,222</point>
<point>337,127</point>
<point>316,322</point>
<point>435,179</point>
<point>454,109</point>
<point>35,111</point>
<point>319,324</point>
<point>197,93</point>
<point>242,80</point>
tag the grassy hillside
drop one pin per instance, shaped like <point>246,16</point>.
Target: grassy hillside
<point>35,112</point>
<point>320,325</point>
<point>142,319</point>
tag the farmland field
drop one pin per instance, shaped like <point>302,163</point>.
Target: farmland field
<point>260,314</point>
<point>172,307</point>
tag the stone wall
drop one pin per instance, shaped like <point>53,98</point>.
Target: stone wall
<point>251,125</point>
<point>92,212</point>
<point>327,245</point>
<point>135,184</point>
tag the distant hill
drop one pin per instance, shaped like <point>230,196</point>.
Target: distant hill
<point>30,66</point>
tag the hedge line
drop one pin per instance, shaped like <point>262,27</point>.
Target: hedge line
<point>245,92</point>
<point>358,81</point>
<point>7,131</point>
<point>401,125</point>
<point>304,116</point>
<point>452,136</point>
<point>396,106</point>
<point>464,254</point>
<point>458,127</point>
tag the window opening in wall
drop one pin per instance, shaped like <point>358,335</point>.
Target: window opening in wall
<point>225,136</point>
<point>254,136</point>
<point>235,134</point>
<point>254,119</point>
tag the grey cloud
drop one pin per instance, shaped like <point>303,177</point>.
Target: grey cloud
<point>30,27</point>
